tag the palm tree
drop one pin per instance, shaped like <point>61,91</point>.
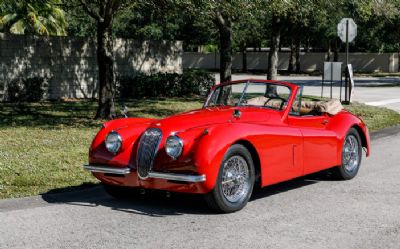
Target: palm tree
<point>40,17</point>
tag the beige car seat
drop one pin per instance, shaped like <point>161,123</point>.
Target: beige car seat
<point>332,107</point>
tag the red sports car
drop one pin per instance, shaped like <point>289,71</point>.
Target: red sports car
<point>248,132</point>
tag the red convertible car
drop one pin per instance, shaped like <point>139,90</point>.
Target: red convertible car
<point>248,132</point>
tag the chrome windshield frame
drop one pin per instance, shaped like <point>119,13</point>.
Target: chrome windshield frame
<point>277,83</point>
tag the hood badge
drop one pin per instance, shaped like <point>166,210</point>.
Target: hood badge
<point>237,113</point>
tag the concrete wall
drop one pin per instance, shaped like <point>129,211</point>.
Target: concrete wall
<point>70,64</point>
<point>362,62</point>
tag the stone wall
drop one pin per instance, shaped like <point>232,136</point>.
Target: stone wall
<point>70,65</point>
<point>310,62</point>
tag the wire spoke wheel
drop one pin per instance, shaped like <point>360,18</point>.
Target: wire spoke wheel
<point>351,155</point>
<point>235,183</point>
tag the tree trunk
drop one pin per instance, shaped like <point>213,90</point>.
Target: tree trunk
<point>105,58</point>
<point>244,60</point>
<point>398,64</point>
<point>307,48</point>
<point>272,72</point>
<point>328,55</point>
<point>297,49</point>
<point>335,51</point>
<point>292,57</point>
<point>224,25</point>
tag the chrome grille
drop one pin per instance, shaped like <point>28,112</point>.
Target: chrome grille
<point>147,151</point>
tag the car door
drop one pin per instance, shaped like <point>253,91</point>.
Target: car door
<point>279,146</point>
<point>319,142</point>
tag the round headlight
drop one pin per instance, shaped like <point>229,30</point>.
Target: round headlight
<point>113,142</point>
<point>174,146</point>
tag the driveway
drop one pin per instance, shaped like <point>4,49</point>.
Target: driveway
<point>310,212</point>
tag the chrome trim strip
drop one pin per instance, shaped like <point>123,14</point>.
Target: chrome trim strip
<point>152,174</point>
<point>107,169</point>
<point>178,177</point>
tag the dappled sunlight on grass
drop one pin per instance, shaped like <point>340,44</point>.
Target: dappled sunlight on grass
<point>44,145</point>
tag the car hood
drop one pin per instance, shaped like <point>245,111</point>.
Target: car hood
<point>210,116</point>
<point>188,125</point>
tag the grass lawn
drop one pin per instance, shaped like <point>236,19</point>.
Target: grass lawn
<point>44,145</point>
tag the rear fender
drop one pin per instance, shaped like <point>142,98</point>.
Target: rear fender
<point>341,124</point>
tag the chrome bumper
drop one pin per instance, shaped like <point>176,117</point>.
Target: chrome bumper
<point>107,169</point>
<point>158,175</point>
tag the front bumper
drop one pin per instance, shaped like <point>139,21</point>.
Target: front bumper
<point>156,175</point>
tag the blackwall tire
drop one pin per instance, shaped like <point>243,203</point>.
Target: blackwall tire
<point>235,181</point>
<point>351,156</point>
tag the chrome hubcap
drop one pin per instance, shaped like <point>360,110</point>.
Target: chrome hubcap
<point>235,179</point>
<point>350,153</point>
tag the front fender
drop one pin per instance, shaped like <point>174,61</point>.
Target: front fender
<point>130,129</point>
<point>212,147</point>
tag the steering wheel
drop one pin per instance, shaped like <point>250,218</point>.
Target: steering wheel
<point>283,101</point>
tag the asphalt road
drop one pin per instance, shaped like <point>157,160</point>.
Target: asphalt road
<point>310,212</point>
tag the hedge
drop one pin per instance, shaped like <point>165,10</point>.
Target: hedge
<point>190,82</point>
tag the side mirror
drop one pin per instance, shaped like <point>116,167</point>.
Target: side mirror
<point>124,111</point>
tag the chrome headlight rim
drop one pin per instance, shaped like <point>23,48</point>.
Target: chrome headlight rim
<point>179,150</point>
<point>118,141</point>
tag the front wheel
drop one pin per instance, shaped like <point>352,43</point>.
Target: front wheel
<point>351,156</point>
<point>235,181</point>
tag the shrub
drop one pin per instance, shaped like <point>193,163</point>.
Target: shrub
<point>191,82</point>
<point>26,90</point>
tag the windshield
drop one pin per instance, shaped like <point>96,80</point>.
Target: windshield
<point>267,95</point>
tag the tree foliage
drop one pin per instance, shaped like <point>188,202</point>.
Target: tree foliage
<point>40,17</point>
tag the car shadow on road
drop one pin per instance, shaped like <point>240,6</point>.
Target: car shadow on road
<point>292,184</point>
<point>150,203</point>
<point>161,204</point>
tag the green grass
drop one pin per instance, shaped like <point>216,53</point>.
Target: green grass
<point>375,117</point>
<point>44,145</point>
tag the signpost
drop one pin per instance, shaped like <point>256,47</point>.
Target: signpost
<point>347,31</point>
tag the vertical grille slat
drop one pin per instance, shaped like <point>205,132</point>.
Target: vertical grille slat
<point>147,151</point>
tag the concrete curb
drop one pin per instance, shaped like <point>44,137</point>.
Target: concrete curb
<point>390,131</point>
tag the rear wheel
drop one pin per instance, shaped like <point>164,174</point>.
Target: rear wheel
<point>351,156</point>
<point>235,181</point>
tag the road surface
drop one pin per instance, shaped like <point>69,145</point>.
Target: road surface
<point>310,212</point>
